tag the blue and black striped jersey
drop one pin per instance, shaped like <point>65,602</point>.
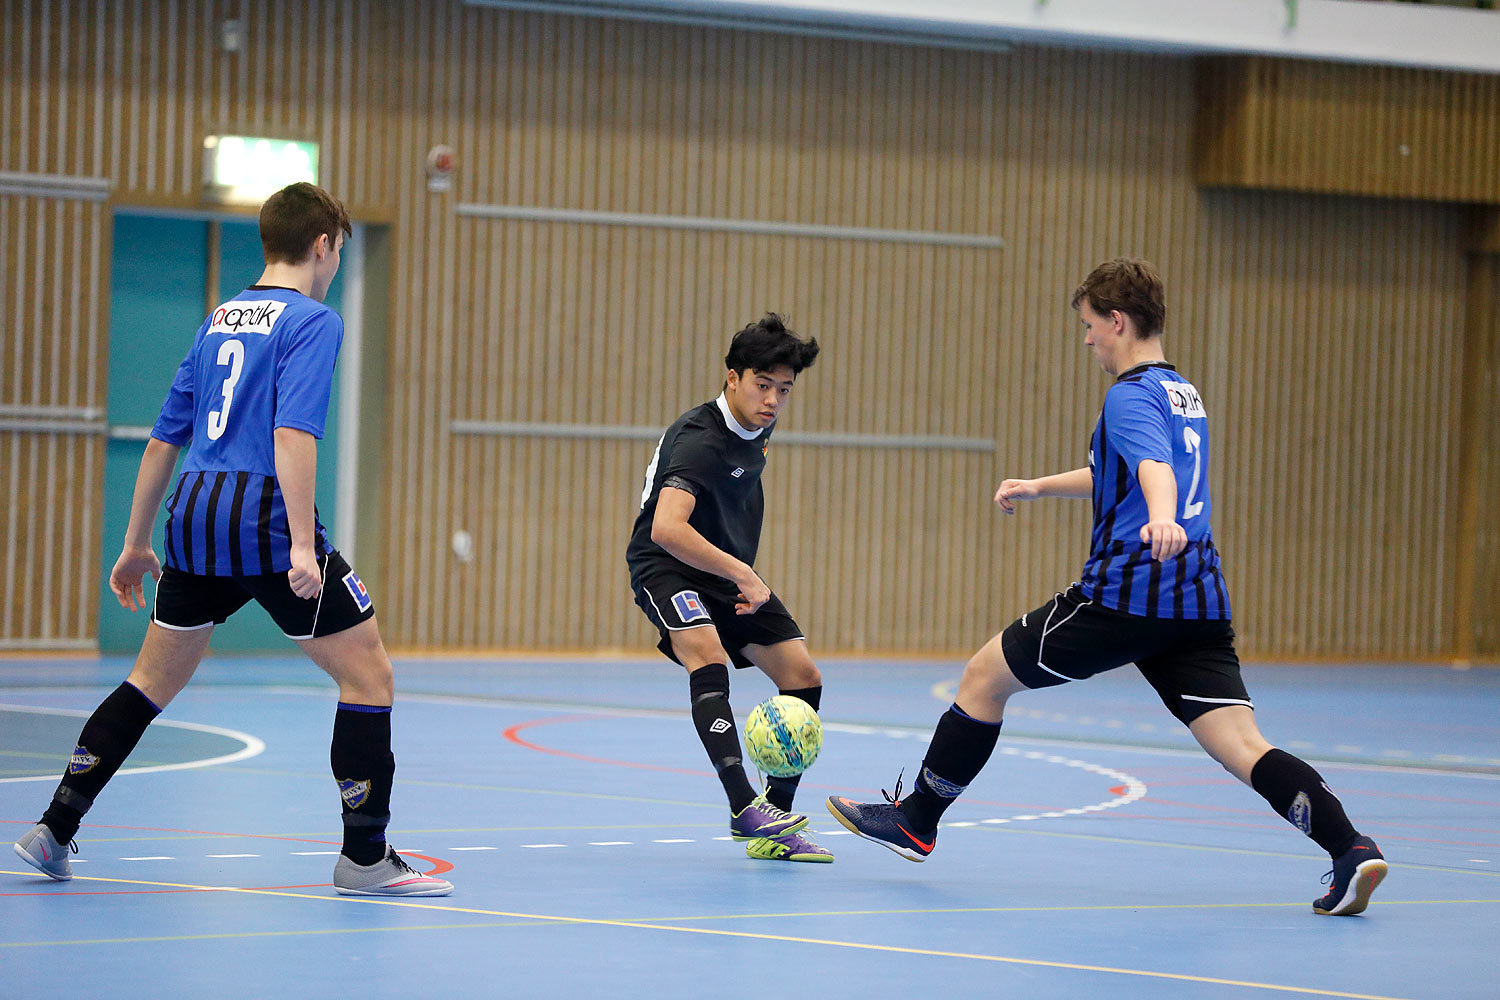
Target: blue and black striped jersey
<point>1151,412</point>
<point>260,361</point>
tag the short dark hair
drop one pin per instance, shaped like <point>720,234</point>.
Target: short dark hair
<point>293,218</point>
<point>1130,285</point>
<point>767,344</point>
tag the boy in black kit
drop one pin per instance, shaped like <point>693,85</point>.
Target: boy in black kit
<point>690,558</point>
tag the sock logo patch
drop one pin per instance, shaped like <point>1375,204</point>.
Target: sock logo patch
<point>721,726</point>
<point>354,793</point>
<point>82,762</point>
<point>941,786</point>
<point>1301,813</point>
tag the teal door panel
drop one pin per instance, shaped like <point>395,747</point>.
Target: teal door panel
<point>158,276</point>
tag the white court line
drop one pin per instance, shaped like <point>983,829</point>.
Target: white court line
<point>253,746</point>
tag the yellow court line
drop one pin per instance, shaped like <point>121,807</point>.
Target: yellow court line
<point>790,939</point>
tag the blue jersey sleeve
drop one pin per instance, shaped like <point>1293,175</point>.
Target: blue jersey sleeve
<point>304,373</point>
<point>1137,422</point>
<point>174,424</point>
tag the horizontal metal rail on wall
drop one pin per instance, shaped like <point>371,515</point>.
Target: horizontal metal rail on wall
<point>67,420</point>
<point>612,432</point>
<point>752,227</point>
<point>29,185</point>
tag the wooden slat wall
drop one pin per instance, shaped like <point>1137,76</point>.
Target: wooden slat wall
<point>1313,328</point>
<point>1477,467</point>
<point>1349,129</point>
<point>53,283</point>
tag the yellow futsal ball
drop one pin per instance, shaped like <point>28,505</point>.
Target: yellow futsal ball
<point>783,736</point>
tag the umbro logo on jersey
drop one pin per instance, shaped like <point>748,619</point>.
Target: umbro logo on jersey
<point>1184,399</point>
<point>246,317</point>
<point>721,726</point>
<point>737,473</point>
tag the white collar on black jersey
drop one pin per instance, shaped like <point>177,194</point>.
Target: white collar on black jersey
<point>734,424</point>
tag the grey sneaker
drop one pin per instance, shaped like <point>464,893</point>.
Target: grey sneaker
<point>390,876</point>
<point>40,850</point>
<point>761,819</point>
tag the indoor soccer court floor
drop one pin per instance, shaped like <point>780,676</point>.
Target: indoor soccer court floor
<point>1100,854</point>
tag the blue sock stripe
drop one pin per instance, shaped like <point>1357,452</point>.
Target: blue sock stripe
<point>345,706</point>
<point>955,709</point>
<point>143,697</point>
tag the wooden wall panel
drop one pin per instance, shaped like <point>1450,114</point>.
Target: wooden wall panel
<point>53,276</point>
<point>1348,128</point>
<point>1313,327</point>
<point>1476,469</point>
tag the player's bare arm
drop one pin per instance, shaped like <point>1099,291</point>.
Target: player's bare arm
<point>136,556</point>
<point>1077,484</point>
<point>670,529</point>
<point>296,475</point>
<point>1159,485</point>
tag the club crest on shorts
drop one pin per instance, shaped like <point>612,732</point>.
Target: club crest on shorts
<point>357,590</point>
<point>690,607</point>
<point>82,762</point>
<point>354,793</point>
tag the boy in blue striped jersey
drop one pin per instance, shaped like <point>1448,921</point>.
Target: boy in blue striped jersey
<point>249,403</point>
<point>1151,594</point>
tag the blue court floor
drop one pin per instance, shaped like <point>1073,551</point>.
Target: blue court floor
<point>1100,854</point>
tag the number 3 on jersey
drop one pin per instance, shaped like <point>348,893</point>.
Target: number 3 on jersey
<point>1193,441</point>
<point>232,353</point>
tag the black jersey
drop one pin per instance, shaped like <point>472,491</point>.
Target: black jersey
<point>707,453</point>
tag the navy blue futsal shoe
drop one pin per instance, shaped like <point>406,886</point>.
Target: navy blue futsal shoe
<point>883,823</point>
<point>1355,875</point>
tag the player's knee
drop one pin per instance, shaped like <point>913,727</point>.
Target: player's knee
<point>987,672</point>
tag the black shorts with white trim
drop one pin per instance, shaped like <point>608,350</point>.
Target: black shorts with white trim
<point>675,602</point>
<point>1191,663</point>
<point>186,602</point>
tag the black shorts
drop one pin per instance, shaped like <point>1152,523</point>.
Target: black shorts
<point>1191,663</point>
<point>674,604</point>
<point>186,602</point>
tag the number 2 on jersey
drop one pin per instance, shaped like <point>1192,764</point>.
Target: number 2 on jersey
<point>232,353</point>
<point>1193,441</point>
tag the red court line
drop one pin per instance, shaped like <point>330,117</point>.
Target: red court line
<point>512,735</point>
<point>513,732</point>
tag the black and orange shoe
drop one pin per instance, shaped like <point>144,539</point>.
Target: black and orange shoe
<point>885,824</point>
<point>1355,875</point>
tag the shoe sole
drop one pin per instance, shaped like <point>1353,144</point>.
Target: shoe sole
<point>795,828</point>
<point>25,856</point>
<point>1366,877</point>
<point>906,853</point>
<point>798,858</point>
<point>392,895</point>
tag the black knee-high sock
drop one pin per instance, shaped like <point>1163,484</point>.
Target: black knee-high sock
<point>780,791</point>
<point>1303,798</point>
<point>364,767</point>
<point>709,689</point>
<point>107,739</point>
<point>959,750</point>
